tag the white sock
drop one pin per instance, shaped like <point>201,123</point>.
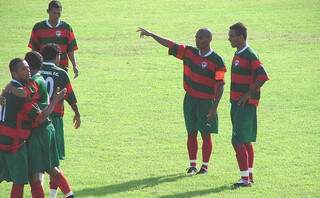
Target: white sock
<point>53,193</point>
<point>68,194</point>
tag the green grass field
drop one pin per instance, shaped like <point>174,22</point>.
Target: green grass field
<point>132,142</point>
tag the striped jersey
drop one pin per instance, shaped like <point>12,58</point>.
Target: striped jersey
<point>56,77</point>
<point>16,120</point>
<point>44,33</point>
<point>246,69</point>
<point>200,73</point>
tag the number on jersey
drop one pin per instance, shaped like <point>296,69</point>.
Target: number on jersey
<point>50,84</point>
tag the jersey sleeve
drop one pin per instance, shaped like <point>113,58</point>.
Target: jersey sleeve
<point>177,50</point>
<point>34,40</point>
<point>70,97</point>
<point>259,72</point>
<point>72,43</point>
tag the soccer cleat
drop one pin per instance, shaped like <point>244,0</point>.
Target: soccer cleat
<point>242,183</point>
<point>202,171</point>
<point>191,170</point>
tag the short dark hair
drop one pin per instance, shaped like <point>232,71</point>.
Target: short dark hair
<point>54,4</point>
<point>34,59</point>
<point>50,51</point>
<point>240,29</point>
<point>13,65</point>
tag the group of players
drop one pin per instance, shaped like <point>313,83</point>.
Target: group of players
<point>32,108</point>
<point>31,111</point>
<point>203,80</point>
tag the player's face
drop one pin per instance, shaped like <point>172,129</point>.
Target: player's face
<point>234,38</point>
<point>202,40</point>
<point>22,73</point>
<point>54,14</point>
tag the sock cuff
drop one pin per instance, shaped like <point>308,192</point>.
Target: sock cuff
<point>250,170</point>
<point>244,173</point>
<point>69,194</point>
<point>205,163</point>
<point>193,161</point>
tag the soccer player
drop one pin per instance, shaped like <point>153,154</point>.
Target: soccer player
<point>57,77</point>
<point>17,115</point>
<point>56,31</point>
<point>203,82</point>
<point>42,147</point>
<point>247,77</point>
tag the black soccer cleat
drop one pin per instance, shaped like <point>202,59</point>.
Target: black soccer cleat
<point>191,170</point>
<point>202,171</point>
<point>242,183</point>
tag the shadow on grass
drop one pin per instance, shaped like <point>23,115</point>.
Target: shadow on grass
<point>198,192</point>
<point>128,186</point>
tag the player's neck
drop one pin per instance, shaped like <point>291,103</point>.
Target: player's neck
<point>241,46</point>
<point>205,51</point>
<point>53,23</point>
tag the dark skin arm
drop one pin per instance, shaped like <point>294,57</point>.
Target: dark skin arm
<point>57,97</point>
<point>74,63</point>
<point>213,111</point>
<point>162,41</point>
<point>76,117</point>
<point>244,98</point>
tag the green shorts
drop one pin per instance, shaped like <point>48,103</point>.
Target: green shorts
<point>14,166</point>
<point>244,123</point>
<point>42,150</point>
<point>195,115</point>
<point>59,135</point>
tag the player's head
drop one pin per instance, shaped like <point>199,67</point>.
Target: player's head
<point>51,53</point>
<point>34,59</point>
<point>237,34</point>
<point>54,10</point>
<point>19,69</point>
<point>203,38</point>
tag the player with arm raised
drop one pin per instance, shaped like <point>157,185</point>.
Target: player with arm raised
<point>203,79</point>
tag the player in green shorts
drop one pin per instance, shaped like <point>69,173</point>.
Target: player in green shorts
<point>42,149</point>
<point>247,77</point>
<point>203,81</point>
<point>16,118</point>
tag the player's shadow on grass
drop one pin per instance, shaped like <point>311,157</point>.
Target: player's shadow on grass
<point>128,186</point>
<point>198,192</point>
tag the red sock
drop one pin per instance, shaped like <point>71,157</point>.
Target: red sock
<point>63,183</point>
<point>206,149</point>
<point>53,184</point>
<point>17,191</point>
<point>192,145</point>
<point>250,152</point>
<point>242,158</point>
<point>36,190</point>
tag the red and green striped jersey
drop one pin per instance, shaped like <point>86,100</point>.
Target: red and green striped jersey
<point>16,118</point>
<point>57,77</point>
<point>246,69</point>
<point>200,73</point>
<point>43,33</point>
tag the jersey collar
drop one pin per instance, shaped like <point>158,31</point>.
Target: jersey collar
<point>244,48</point>
<point>49,63</point>
<point>207,54</point>
<point>48,24</point>
<point>15,81</point>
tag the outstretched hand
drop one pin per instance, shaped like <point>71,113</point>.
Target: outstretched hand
<point>144,32</point>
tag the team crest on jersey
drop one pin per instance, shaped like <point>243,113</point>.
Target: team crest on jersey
<point>58,33</point>
<point>236,62</point>
<point>204,64</point>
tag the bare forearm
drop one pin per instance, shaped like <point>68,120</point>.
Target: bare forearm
<point>75,109</point>
<point>219,92</point>
<point>163,41</point>
<point>72,58</point>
